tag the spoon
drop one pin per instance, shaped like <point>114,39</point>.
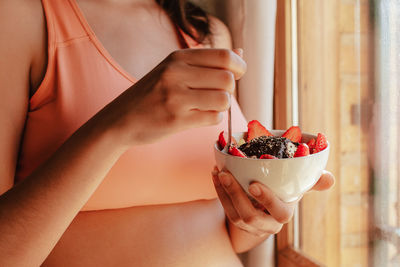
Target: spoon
<point>239,52</point>
<point>229,143</point>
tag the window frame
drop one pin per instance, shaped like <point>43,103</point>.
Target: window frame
<point>286,253</point>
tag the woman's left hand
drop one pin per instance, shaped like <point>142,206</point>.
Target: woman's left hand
<point>245,216</point>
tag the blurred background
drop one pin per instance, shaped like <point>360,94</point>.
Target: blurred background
<point>330,66</point>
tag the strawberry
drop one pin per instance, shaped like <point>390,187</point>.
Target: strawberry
<point>321,142</point>
<point>267,156</point>
<point>222,140</point>
<point>293,134</point>
<point>234,151</point>
<point>302,150</point>
<point>255,129</point>
<point>311,144</point>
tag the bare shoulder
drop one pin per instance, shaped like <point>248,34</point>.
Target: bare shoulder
<point>21,21</point>
<point>220,34</point>
<point>21,28</point>
<point>21,12</point>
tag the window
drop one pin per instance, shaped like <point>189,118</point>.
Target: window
<point>348,54</point>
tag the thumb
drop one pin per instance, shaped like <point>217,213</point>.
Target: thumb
<point>326,181</point>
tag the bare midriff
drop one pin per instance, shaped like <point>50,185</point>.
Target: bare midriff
<point>183,234</point>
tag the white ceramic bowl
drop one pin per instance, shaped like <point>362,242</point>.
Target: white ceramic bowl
<point>288,178</point>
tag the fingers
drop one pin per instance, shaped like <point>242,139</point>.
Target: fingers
<point>213,58</point>
<point>238,197</point>
<point>206,78</point>
<point>326,181</point>
<point>208,89</point>
<point>239,208</point>
<point>205,100</point>
<point>197,118</point>
<point>245,216</point>
<point>200,79</point>
<point>230,210</point>
<point>225,200</point>
<point>280,210</point>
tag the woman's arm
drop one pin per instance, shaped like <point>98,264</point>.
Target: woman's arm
<point>35,213</point>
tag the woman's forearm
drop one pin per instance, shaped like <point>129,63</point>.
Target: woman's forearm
<point>35,213</point>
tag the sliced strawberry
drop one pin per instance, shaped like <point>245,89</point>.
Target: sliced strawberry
<point>302,150</point>
<point>234,151</point>
<point>321,142</point>
<point>311,144</point>
<point>293,134</point>
<point>222,140</point>
<point>267,156</point>
<point>255,129</point>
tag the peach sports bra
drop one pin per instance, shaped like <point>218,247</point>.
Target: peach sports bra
<point>81,78</point>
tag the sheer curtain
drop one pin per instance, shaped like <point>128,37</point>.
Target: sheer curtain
<point>252,24</point>
<point>385,132</point>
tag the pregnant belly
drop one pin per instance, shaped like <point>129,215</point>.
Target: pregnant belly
<point>184,234</point>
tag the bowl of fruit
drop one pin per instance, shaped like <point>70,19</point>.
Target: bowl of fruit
<point>288,161</point>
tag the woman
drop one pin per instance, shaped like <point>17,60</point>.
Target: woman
<point>111,163</point>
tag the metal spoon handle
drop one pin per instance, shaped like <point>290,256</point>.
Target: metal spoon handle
<point>229,127</point>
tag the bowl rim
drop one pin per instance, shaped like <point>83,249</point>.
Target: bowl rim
<point>286,159</point>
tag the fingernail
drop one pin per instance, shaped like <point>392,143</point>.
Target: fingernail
<point>224,179</point>
<point>255,190</point>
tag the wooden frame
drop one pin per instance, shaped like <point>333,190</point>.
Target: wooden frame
<point>286,254</point>
<point>319,90</point>
<point>283,67</point>
<point>317,50</point>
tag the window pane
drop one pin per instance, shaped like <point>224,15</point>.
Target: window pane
<point>335,99</point>
<point>349,71</point>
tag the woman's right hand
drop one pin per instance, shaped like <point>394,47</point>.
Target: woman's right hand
<point>188,89</point>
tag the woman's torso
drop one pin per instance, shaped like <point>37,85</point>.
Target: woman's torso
<point>173,235</point>
<point>153,234</point>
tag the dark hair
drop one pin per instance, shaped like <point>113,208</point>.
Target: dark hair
<point>190,18</point>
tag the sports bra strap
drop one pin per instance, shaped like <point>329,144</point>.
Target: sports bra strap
<point>63,21</point>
